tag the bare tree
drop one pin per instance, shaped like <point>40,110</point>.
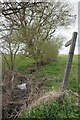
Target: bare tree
<point>10,47</point>
<point>35,22</point>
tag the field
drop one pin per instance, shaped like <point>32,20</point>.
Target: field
<point>54,72</point>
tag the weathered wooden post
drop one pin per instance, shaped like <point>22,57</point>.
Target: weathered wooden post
<point>69,62</point>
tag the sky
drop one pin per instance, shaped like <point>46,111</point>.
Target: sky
<point>67,33</point>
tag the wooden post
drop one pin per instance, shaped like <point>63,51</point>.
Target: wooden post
<point>69,62</point>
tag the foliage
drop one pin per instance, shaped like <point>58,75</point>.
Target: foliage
<point>10,47</point>
<point>53,110</point>
<point>48,52</point>
<point>55,72</point>
<point>45,52</point>
<point>22,63</point>
<point>35,25</point>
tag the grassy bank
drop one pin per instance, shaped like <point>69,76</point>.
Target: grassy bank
<point>68,108</point>
<point>54,72</point>
<point>52,110</point>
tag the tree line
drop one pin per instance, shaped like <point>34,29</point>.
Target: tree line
<point>29,29</point>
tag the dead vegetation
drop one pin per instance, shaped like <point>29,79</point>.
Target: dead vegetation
<point>47,97</point>
<point>15,99</point>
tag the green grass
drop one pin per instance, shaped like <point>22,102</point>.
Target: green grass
<point>55,74</point>
<point>22,63</point>
<point>54,109</point>
<point>53,71</point>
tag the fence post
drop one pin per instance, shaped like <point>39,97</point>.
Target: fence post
<point>69,62</point>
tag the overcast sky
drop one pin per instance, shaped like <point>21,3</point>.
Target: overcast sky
<point>68,32</point>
